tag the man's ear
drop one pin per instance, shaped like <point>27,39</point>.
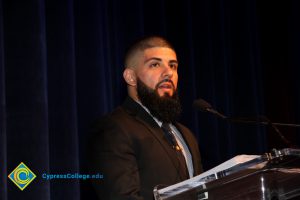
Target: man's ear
<point>129,76</point>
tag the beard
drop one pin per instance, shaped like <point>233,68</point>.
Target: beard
<point>165,108</point>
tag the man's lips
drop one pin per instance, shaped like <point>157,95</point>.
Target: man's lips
<point>166,84</point>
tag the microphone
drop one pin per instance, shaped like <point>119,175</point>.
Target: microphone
<point>204,106</point>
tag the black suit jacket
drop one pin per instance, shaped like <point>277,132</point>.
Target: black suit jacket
<point>130,150</point>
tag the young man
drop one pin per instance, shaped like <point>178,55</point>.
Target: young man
<point>140,144</point>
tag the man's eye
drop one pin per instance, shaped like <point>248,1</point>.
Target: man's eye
<point>154,65</point>
<point>173,66</point>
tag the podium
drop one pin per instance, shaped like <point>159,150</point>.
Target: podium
<point>272,176</point>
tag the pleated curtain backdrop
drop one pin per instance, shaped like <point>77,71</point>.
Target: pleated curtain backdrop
<point>61,65</point>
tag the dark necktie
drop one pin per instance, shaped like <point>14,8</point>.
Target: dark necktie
<point>172,141</point>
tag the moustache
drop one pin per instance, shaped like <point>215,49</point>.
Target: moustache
<point>165,81</point>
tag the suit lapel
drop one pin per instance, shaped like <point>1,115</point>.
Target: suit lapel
<point>143,117</point>
<point>191,145</point>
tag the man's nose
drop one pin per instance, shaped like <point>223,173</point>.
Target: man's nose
<point>167,71</point>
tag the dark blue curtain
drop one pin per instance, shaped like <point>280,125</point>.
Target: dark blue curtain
<point>61,66</point>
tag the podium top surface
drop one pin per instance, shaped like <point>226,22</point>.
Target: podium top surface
<point>233,169</point>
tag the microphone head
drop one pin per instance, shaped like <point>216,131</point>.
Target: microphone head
<point>202,105</point>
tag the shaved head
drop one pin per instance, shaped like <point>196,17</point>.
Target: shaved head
<point>141,45</point>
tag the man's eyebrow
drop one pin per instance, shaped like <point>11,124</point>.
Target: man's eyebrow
<point>159,59</point>
<point>173,61</point>
<point>153,58</point>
